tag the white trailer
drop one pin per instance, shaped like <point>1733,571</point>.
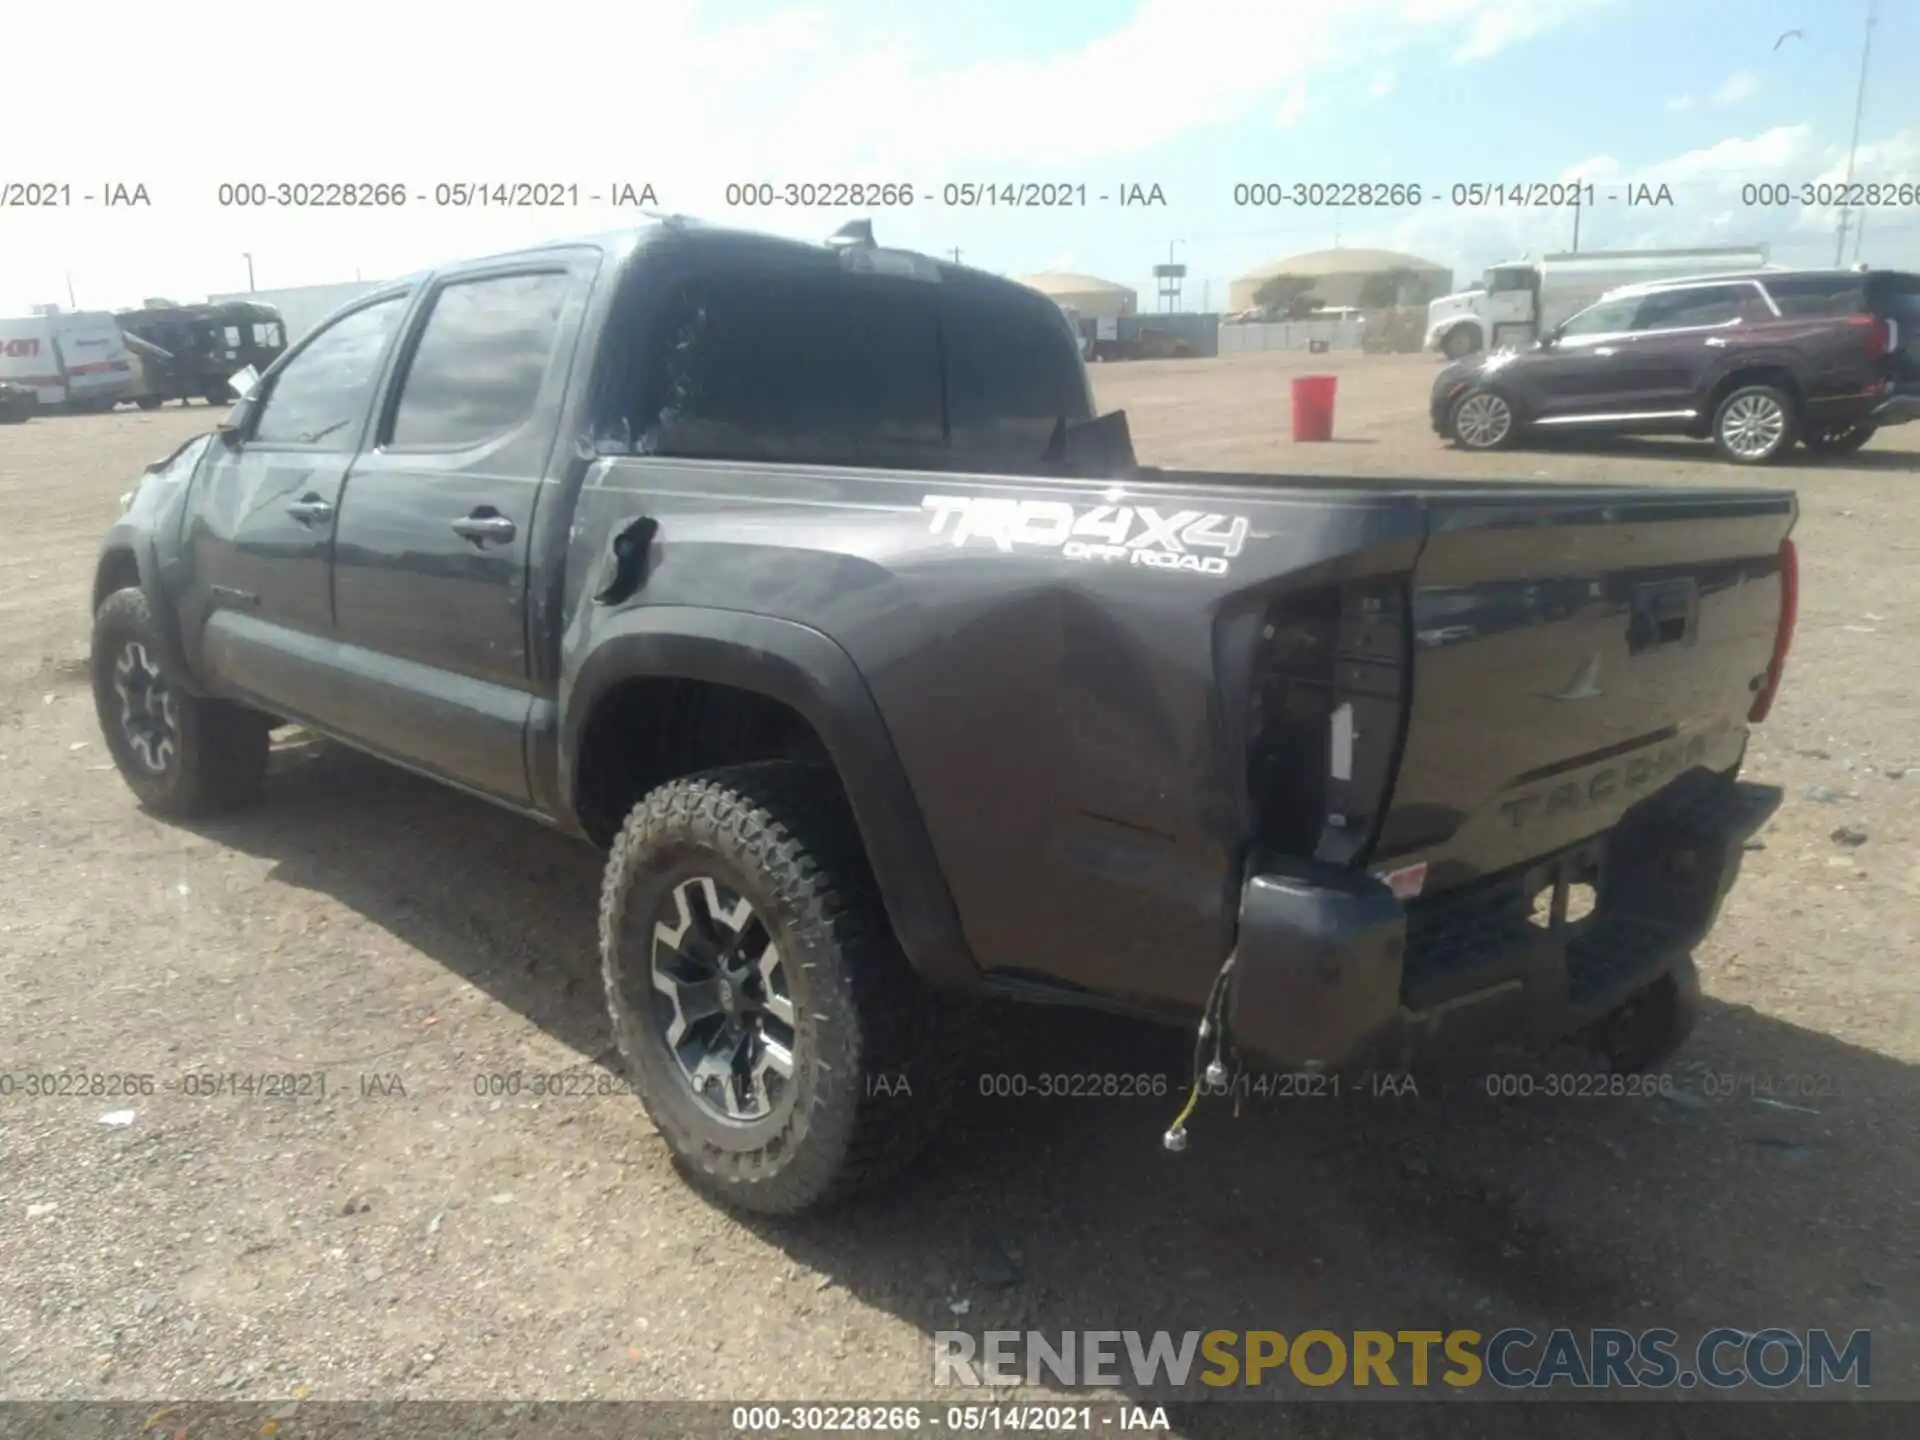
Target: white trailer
<point>303,307</point>
<point>70,359</point>
<point>1515,303</point>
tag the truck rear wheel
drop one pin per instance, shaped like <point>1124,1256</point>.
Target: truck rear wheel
<point>1651,1025</point>
<point>776,1035</point>
<point>181,755</point>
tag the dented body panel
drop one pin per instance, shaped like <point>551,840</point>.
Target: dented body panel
<point>1077,717</point>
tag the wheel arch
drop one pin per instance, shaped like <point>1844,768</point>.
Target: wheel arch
<point>771,662</point>
<point>128,559</point>
<point>1755,372</point>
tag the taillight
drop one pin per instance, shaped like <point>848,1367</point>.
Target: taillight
<point>1880,335</point>
<point>1783,637</point>
<point>1330,685</point>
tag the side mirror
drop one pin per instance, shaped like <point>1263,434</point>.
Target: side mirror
<point>243,383</point>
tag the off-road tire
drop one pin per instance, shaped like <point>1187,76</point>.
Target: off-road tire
<point>1789,424</point>
<point>871,1078</point>
<point>219,752</point>
<point>1650,1026</point>
<point>1841,440</point>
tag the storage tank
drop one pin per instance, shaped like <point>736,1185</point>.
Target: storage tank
<point>1092,298</point>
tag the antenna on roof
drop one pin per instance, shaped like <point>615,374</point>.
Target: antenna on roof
<point>854,234</point>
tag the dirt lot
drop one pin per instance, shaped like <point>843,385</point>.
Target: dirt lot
<point>406,1236</point>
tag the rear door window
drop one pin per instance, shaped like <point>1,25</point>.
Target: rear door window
<point>1693,308</point>
<point>481,360</point>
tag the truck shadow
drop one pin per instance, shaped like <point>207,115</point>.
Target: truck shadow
<point>1046,1208</point>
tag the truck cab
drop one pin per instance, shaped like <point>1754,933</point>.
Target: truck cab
<point>1503,309</point>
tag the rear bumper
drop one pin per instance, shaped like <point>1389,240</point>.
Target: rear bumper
<point>1899,408</point>
<point>1333,971</point>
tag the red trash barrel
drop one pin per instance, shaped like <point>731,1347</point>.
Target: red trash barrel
<point>1313,406</point>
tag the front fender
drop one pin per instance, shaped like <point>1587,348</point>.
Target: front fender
<point>807,671</point>
<point>123,539</point>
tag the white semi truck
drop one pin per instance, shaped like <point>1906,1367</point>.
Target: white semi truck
<point>1517,302</point>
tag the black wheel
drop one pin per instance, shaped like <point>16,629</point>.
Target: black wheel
<point>1755,425</point>
<point>181,755</point>
<point>1482,419</point>
<point>775,1033</point>
<point>148,402</point>
<point>1838,439</point>
<point>1460,342</point>
<point>1652,1025</point>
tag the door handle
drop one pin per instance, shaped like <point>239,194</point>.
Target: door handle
<point>1715,340</point>
<point>1603,350</point>
<point>310,509</point>
<point>485,526</point>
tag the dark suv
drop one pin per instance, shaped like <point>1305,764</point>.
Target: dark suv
<point>1753,361</point>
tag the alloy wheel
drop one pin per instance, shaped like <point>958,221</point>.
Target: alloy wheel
<point>147,717</point>
<point>1483,420</point>
<point>721,1000</point>
<point>1753,426</point>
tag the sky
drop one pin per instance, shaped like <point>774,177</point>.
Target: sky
<point>1195,97</point>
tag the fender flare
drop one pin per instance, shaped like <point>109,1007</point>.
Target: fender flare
<point>807,671</point>
<point>166,623</point>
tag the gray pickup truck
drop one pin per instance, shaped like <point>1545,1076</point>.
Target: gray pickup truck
<point>806,581</point>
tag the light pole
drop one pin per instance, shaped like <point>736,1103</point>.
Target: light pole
<point>1859,106</point>
<point>248,257</point>
<point>1170,275</point>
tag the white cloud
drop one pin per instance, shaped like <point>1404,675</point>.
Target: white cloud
<point>1384,86</point>
<point>1740,85</point>
<point>676,93</point>
<point>1715,202</point>
<point>1293,104</point>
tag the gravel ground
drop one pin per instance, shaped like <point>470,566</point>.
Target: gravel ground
<point>406,1235</point>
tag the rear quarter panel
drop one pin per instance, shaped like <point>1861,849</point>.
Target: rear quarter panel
<point>1059,720</point>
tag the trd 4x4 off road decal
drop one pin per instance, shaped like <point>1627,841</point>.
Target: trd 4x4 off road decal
<point>1127,534</point>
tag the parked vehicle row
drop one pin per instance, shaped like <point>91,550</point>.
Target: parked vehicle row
<point>70,360</point>
<point>89,361</point>
<point>1755,362</point>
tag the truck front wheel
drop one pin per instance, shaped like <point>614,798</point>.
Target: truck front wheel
<point>180,754</point>
<point>1460,342</point>
<point>778,1038</point>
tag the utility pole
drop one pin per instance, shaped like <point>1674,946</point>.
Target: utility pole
<point>956,254</point>
<point>248,257</point>
<point>1859,106</point>
<point>1576,226</point>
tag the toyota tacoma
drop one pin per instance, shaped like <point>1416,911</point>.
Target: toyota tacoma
<point>807,582</point>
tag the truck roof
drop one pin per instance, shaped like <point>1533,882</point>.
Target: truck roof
<point>618,244</point>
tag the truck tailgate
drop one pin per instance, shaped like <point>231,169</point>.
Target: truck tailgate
<point>1573,651</point>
